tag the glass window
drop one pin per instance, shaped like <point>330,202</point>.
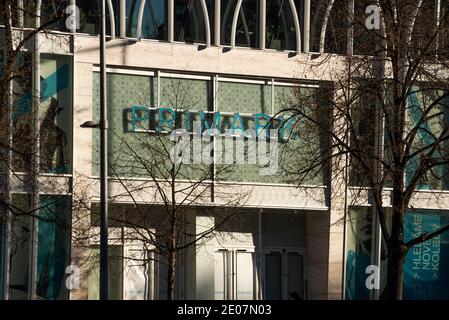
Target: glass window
<point>115,277</point>
<point>23,140</point>
<point>363,135</point>
<point>280,33</point>
<point>247,31</point>
<point>56,115</point>
<point>273,276</point>
<point>20,248</point>
<point>444,35</point>
<point>336,30</point>
<point>421,100</point>
<point>295,277</point>
<point>54,240</point>
<point>54,11</point>
<point>358,252</point>
<point>189,21</point>
<point>90,16</point>
<point>154,23</point>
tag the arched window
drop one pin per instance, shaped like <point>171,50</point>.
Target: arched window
<point>280,30</point>
<point>190,21</point>
<point>247,30</point>
<point>154,22</point>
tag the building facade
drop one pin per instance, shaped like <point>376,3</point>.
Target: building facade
<point>226,65</point>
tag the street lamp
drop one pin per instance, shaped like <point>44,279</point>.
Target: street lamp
<point>103,126</point>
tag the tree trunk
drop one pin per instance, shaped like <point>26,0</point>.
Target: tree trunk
<point>395,270</point>
<point>171,275</point>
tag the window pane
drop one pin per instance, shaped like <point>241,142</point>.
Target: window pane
<point>54,10</point>
<point>55,115</point>
<point>336,30</point>
<point>247,31</point>
<point>23,137</point>
<point>90,16</point>
<point>295,277</point>
<point>280,33</point>
<point>20,251</point>
<point>358,252</point>
<point>54,241</point>
<point>273,274</point>
<point>189,21</point>
<point>422,100</point>
<point>115,283</point>
<point>154,22</point>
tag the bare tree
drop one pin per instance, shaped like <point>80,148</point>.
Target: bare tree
<point>155,171</point>
<point>388,128</point>
<point>22,156</point>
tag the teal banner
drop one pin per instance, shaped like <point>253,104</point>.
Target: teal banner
<point>426,269</point>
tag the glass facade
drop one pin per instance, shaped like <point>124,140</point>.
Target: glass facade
<point>52,234</point>
<point>53,247</point>
<point>56,115</point>
<point>426,273</point>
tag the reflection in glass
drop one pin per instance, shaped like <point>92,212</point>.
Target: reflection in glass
<point>23,138</point>
<point>154,23</point>
<point>247,31</point>
<point>280,33</point>
<point>115,283</point>
<point>20,251</point>
<point>273,283</point>
<point>90,16</point>
<point>358,252</point>
<point>336,30</point>
<point>295,277</point>
<point>55,111</point>
<point>53,255</point>
<point>189,21</point>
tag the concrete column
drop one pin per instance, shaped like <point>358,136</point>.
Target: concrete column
<point>82,171</point>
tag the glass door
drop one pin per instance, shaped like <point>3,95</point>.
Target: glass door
<point>283,275</point>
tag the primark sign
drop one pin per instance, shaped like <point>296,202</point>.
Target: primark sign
<point>204,137</point>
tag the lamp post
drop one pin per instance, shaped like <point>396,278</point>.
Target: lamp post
<point>103,126</point>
